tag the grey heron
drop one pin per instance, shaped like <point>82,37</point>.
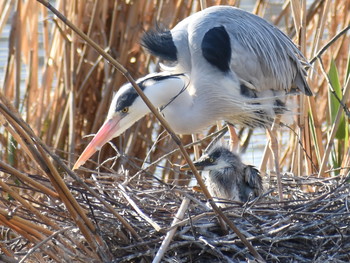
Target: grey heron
<point>229,178</point>
<point>225,64</point>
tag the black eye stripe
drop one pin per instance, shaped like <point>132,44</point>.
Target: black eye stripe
<point>126,99</point>
<point>215,155</point>
<point>217,152</point>
<point>129,95</point>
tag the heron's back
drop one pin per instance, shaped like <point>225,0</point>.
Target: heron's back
<point>260,54</point>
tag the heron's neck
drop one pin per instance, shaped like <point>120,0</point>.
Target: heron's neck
<point>162,92</point>
<point>180,105</point>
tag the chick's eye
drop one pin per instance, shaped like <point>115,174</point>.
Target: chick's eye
<point>125,110</point>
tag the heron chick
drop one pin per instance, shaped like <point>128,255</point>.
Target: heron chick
<point>229,178</point>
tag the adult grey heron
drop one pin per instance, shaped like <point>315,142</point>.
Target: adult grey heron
<point>226,64</point>
<point>229,178</point>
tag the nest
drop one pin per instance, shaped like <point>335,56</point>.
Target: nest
<point>309,227</point>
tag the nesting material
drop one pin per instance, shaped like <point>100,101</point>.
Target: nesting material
<point>306,228</point>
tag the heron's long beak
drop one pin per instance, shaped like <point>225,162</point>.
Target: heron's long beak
<point>105,133</point>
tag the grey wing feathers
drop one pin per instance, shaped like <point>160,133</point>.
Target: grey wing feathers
<point>272,51</point>
<point>253,179</point>
<point>261,54</point>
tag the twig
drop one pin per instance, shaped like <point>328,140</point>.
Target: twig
<point>138,210</point>
<point>141,170</point>
<point>329,43</point>
<point>169,236</point>
<point>38,149</point>
<point>67,196</point>
<point>32,250</point>
<point>10,170</point>
<point>346,110</point>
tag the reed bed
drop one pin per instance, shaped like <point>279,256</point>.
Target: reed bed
<point>121,205</point>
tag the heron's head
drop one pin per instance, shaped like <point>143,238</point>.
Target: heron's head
<point>217,158</point>
<point>127,107</point>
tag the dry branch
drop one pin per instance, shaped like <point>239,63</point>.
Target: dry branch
<point>60,87</point>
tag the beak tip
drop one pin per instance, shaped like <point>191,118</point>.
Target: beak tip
<point>106,133</point>
<point>78,163</point>
<point>76,166</point>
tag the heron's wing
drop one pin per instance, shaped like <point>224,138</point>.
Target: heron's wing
<point>270,59</point>
<point>264,56</point>
<point>253,179</point>
<point>267,60</point>
<point>261,54</point>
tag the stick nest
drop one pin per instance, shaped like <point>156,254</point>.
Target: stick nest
<point>309,227</point>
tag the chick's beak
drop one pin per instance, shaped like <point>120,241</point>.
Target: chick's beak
<point>185,167</point>
<point>198,164</point>
<point>105,134</point>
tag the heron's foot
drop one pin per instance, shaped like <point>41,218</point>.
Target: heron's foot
<point>233,137</point>
<point>274,149</point>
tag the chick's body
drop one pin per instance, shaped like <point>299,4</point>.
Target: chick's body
<point>228,177</point>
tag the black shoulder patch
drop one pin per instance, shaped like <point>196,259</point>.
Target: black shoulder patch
<point>216,48</point>
<point>160,43</point>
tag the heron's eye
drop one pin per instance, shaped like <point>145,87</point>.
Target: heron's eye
<point>125,110</point>
<point>211,160</point>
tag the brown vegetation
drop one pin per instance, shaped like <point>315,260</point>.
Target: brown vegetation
<point>56,90</point>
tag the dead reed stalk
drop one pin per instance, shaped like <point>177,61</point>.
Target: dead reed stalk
<point>56,90</point>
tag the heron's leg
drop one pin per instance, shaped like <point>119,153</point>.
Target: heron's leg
<point>274,149</point>
<point>233,137</point>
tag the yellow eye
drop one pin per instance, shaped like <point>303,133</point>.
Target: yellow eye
<point>211,160</point>
<point>125,110</point>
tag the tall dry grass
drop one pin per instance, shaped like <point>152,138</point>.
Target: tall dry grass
<point>57,90</point>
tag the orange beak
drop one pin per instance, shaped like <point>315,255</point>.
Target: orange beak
<point>105,134</point>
